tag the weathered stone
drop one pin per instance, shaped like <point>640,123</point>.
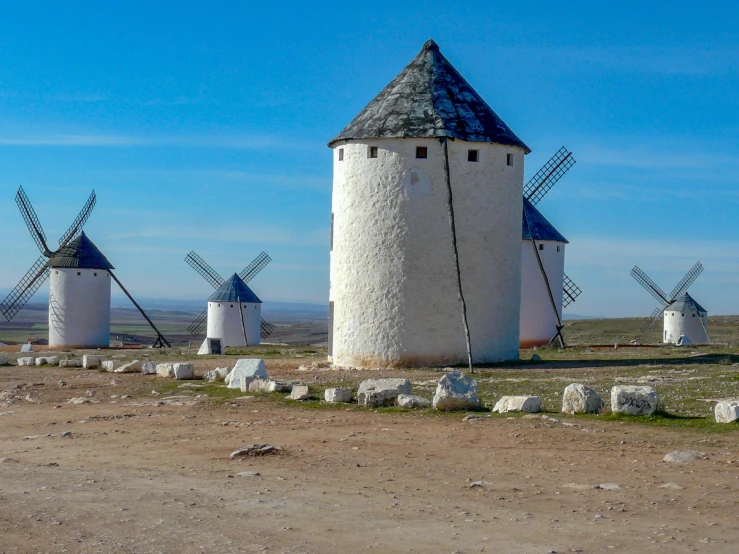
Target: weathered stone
<point>633,400</point>
<point>165,369</point>
<point>246,381</point>
<point>111,365</point>
<point>337,394</point>
<point>79,400</point>
<point>255,450</point>
<point>530,404</point>
<point>299,392</point>
<point>91,362</point>
<point>3,359</point>
<point>130,367</point>
<point>456,391</point>
<point>680,456</point>
<point>71,362</point>
<point>47,360</point>
<point>277,386</point>
<point>26,361</point>
<point>581,399</point>
<point>382,392</point>
<point>412,401</point>
<point>217,374</point>
<point>727,411</point>
<point>149,368</point>
<point>251,367</point>
<point>256,385</point>
<point>183,370</point>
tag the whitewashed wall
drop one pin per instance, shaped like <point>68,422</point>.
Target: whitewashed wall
<point>689,324</point>
<point>538,322</point>
<point>224,322</point>
<point>393,282</point>
<point>79,308</point>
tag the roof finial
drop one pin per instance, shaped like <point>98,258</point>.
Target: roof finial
<point>431,45</point>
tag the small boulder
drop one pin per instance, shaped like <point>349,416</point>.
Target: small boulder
<point>727,411</point>
<point>337,394</point>
<point>3,359</point>
<point>633,400</point>
<point>130,367</point>
<point>255,450</point>
<point>71,362</point>
<point>681,456</point>
<point>149,368</point>
<point>299,392</point>
<point>456,391</point>
<point>529,404</point>
<point>165,369</point>
<point>382,392</point>
<point>26,361</point>
<point>277,386</point>
<point>535,358</point>
<point>217,374</point>
<point>47,360</point>
<point>79,400</point>
<point>183,370</point>
<point>251,367</point>
<point>412,401</point>
<point>91,362</point>
<point>256,385</point>
<point>581,399</point>
<point>110,365</point>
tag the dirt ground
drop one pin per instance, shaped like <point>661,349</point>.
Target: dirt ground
<point>140,472</point>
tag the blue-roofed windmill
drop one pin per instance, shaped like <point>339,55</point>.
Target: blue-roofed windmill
<point>545,288</point>
<point>234,312</point>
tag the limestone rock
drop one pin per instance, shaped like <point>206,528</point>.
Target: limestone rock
<point>183,370</point>
<point>71,362</point>
<point>255,450</point>
<point>110,365</point>
<point>251,367</point>
<point>338,394</point>
<point>217,374</point>
<point>246,382</point>
<point>277,386</point>
<point>581,399</point>
<point>456,391</point>
<point>727,411</point>
<point>26,361</point>
<point>529,404</point>
<point>79,400</point>
<point>47,360</point>
<point>256,385</point>
<point>633,400</point>
<point>131,367</point>
<point>3,359</point>
<point>165,369</point>
<point>412,401</point>
<point>680,456</point>
<point>149,368</point>
<point>91,362</point>
<point>299,392</point>
<point>382,392</point>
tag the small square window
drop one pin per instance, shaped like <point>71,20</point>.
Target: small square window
<point>232,305</point>
<point>79,273</point>
<point>558,248</point>
<point>472,155</point>
<point>341,154</point>
<point>94,274</point>
<point>421,152</point>
<point>372,152</point>
<point>509,159</point>
<point>541,247</point>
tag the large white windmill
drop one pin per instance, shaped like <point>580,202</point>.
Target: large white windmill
<point>684,320</point>
<point>80,282</point>
<point>234,312</point>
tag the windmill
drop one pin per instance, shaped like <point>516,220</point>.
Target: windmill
<point>542,260</point>
<point>684,319</point>
<point>79,289</point>
<point>233,314</point>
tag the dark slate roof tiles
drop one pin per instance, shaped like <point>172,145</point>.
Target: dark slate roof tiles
<point>534,223</point>
<point>234,289</point>
<point>684,304</point>
<point>82,253</point>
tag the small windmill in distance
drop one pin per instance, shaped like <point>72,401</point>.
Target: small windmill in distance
<point>684,319</point>
<point>231,327</point>
<point>545,288</point>
<point>79,291</point>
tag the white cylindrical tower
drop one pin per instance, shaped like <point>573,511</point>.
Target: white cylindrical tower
<point>685,318</point>
<point>79,296</point>
<point>394,294</point>
<point>234,314</point>
<point>538,320</point>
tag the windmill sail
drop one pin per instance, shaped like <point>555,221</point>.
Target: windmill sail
<point>204,270</point>
<point>197,326</point>
<point>551,172</point>
<point>25,289</point>
<point>257,265</point>
<point>32,221</point>
<point>79,221</point>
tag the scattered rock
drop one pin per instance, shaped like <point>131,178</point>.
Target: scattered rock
<point>255,385</point>
<point>248,474</point>
<point>609,486</point>
<point>217,374</point>
<point>277,386</point>
<point>131,367</point>
<point>412,401</point>
<point>166,369</point>
<point>477,485</point>
<point>255,450</point>
<point>26,361</point>
<point>530,404</point>
<point>47,360</point>
<point>183,370</point>
<point>71,362</point>
<point>79,400</point>
<point>32,437</point>
<point>680,456</point>
<point>726,411</point>
<point>300,392</point>
<point>3,359</point>
<point>382,392</point>
<point>535,358</point>
<point>456,391</point>
<point>337,394</point>
<point>149,368</point>
<point>581,399</point>
<point>250,367</point>
<point>633,400</point>
<point>110,365</point>
<point>91,362</point>
<point>671,486</point>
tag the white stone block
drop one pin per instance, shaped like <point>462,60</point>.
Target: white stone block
<point>183,370</point>
<point>299,392</point>
<point>26,361</point>
<point>111,365</point>
<point>412,401</point>
<point>3,359</point>
<point>633,400</point>
<point>529,404</point>
<point>251,367</point>
<point>727,411</point>
<point>338,394</point>
<point>91,362</point>
<point>246,381</point>
<point>217,374</point>
<point>277,386</point>
<point>581,399</point>
<point>165,369</point>
<point>382,392</point>
<point>71,362</point>
<point>256,385</point>
<point>130,367</point>
<point>47,360</point>
<point>148,368</point>
<point>456,391</point>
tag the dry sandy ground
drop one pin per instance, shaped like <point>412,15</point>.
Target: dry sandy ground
<point>128,475</point>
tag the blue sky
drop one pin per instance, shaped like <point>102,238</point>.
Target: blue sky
<point>204,126</point>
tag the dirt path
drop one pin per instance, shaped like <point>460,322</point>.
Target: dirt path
<point>128,475</point>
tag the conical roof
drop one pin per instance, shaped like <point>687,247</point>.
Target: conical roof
<point>685,303</point>
<point>80,252</point>
<point>537,226</point>
<point>234,289</point>
<point>429,98</point>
